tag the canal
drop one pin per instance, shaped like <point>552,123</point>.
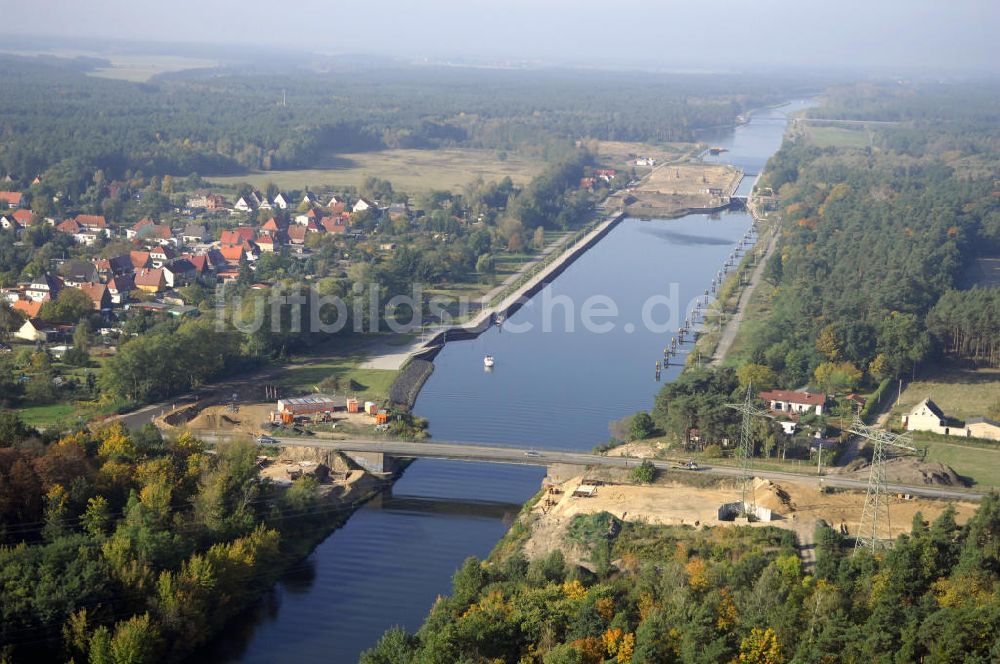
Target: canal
<point>558,382</point>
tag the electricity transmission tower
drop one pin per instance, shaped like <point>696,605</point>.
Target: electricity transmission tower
<point>876,507</point>
<point>748,499</point>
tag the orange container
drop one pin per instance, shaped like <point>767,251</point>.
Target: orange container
<point>381,418</point>
<point>352,405</point>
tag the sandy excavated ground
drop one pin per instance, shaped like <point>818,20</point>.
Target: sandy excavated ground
<point>252,418</point>
<point>796,506</point>
<point>689,179</point>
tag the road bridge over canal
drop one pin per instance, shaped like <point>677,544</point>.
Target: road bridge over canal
<point>378,455</point>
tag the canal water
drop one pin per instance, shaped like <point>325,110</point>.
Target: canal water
<point>557,383</point>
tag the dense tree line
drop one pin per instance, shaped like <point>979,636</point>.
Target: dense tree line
<point>124,547</point>
<point>227,120</point>
<point>967,324</point>
<point>720,595</point>
<point>872,240</point>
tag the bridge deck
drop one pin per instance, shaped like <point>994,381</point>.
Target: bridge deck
<point>453,451</point>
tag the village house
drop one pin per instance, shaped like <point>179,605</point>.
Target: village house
<point>194,234</point>
<point>23,217</point>
<point>110,267</point>
<point>137,228</point>
<point>179,273</point>
<point>363,204</point>
<point>248,202</point>
<point>150,281</point>
<point>9,223</point>
<point>75,273</point>
<point>337,201</point>
<point>34,330</point>
<point>207,201</point>
<point>44,288</point>
<point>159,256</point>
<point>271,228</point>
<point>81,234</point>
<point>99,295</point>
<point>119,288</point>
<point>926,416</point>
<point>789,402</point>
<point>238,236</point>
<point>29,308</point>
<point>94,222</point>
<point>297,235</point>
<point>11,199</point>
<point>140,259</point>
<point>266,244</point>
<point>232,253</point>
<point>281,202</point>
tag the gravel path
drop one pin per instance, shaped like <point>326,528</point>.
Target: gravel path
<point>733,324</point>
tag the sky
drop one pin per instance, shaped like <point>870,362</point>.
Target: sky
<point>669,34</point>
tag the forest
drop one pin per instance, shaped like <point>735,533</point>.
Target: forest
<point>873,239</point>
<point>119,546</point>
<point>680,594</point>
<point>227,120</point>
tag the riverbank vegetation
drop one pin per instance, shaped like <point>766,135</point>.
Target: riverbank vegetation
<point>657,594</point>
<point>124,547</point>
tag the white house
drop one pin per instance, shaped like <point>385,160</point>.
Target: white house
<point>281,202</point>
<point>363,204</point>
<point>787,401</point>
<point>926,416</point>
<point>33,330</point>
<point>44,288</point>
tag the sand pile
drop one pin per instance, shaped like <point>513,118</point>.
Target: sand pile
<point>773,496</point>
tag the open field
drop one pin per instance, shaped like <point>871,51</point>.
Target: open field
<point>977,462</point>
<point>837,137</point>
<point>342,360</point>
<point>960,392</point>
<point>620,154</point>
<point>134,67</point>
<point>408,170</point>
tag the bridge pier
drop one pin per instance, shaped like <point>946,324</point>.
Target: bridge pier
<point>375,462</point>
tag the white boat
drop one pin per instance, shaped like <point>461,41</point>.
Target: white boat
<point>488,361</point>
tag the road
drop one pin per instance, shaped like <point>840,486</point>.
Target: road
<point>538,457</point>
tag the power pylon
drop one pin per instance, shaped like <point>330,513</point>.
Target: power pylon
<point>748,499</point>
<point>876,507</point>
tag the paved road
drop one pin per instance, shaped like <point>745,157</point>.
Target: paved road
<point>539,457</point>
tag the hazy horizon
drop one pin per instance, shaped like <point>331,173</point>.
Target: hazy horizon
<point>679,35</point>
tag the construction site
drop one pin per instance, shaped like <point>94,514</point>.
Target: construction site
<point>673,190</point>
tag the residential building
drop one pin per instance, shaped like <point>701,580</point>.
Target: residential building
<point>926,416</point>
<point>11,199</point>
<point>789,402</point>
<point>34,330</point>
<point>151,280</point>
<point>44,288</point>
<point>99,295</point>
